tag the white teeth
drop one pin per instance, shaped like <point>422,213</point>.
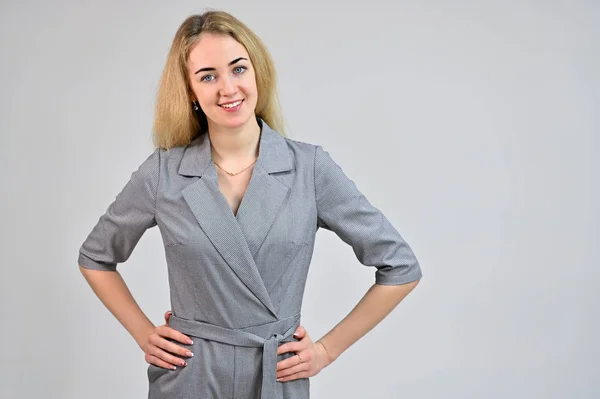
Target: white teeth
<point>232,105</point>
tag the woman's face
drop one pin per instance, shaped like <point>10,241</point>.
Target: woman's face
<point>221,75</point>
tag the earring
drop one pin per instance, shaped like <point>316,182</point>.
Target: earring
<point>196,106</point>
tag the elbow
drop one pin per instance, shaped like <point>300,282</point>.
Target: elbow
<point>411,285</point>
<point>415,283</point>
<point>85,272</point>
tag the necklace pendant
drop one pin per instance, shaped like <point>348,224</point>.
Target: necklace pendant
<point>231,173</point>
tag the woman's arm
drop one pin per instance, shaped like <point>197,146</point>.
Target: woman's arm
<point>374,306</point>
<point>343,209</point>
<point>111,242</point>
<point>112,291</point>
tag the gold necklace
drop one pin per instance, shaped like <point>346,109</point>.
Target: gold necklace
<point>237,173</point>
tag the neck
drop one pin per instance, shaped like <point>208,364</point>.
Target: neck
<point>234,147</point>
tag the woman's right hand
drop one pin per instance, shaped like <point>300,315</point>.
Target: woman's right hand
<point>160,351</point>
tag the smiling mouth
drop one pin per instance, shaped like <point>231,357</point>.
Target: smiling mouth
<point>231,105</point>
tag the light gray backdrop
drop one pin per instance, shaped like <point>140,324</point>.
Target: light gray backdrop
<point>477,126</point>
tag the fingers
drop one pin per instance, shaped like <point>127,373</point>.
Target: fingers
<point>300,332</point>
<point>162,349</point>
<point>168,314</point>
<point>293,364</point>
<point>305,363</point>
<point>169,332</point>
<point>292,347</point>
<point>164,359</point>
<point>296,346</point>
<point>166,338</point>
<point>300,374</point>
<point>290,368</point>
<point>158,361</point>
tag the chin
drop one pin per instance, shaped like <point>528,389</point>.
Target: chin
<point>234,121</point>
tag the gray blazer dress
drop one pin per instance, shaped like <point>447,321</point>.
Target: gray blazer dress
<point>237,281</point>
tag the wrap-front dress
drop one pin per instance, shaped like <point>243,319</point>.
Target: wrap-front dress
<point>237,281</point>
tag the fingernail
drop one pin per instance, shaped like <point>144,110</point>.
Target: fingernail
<point>190,342</point>
<point>295,335</point>
<point>190,354</point>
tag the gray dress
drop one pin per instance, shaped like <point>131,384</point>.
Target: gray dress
<point>237,281</point>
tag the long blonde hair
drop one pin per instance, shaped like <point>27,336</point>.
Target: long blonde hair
<point>175,122</point>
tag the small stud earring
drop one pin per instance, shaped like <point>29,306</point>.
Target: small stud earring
<point>196,106</point>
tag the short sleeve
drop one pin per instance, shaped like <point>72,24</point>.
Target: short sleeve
<point>343,209</point>
<point>119,229</point>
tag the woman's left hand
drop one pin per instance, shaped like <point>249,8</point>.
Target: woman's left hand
<point>310,359</point>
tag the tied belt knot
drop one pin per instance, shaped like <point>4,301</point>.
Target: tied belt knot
<point>268,336</point>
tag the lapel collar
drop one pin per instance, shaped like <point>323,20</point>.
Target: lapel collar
<point>265,193</point>
<point>273,154</point>
<point>238,238</point>
<point>196,157</point>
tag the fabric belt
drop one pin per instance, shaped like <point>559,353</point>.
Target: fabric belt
<point>268,336</point>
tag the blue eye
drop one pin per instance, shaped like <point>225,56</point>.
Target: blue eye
<point>237,70</point>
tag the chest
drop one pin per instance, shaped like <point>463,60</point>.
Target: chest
<point>234,187</point>
<point>268,209</point>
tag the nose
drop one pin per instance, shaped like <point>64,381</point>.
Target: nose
<point>227,86</point>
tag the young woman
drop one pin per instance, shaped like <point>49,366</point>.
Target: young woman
<point>238,206</point>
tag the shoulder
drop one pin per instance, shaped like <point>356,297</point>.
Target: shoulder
<point>174,153</point>
<point>172,159</point>
<point>302,153</point>
<point>313,154</point>
<point>161,160</point>
<point>302,148</point>
<point>301,145</point>
<point>317,154</point>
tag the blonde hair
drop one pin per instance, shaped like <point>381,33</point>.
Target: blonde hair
<point>175,122</point>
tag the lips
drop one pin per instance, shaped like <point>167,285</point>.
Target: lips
<point>231,104</point>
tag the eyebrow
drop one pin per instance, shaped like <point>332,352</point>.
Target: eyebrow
<point>213,69</point>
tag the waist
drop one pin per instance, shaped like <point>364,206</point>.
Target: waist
<point>268,336</point>
<point>253,336</point>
